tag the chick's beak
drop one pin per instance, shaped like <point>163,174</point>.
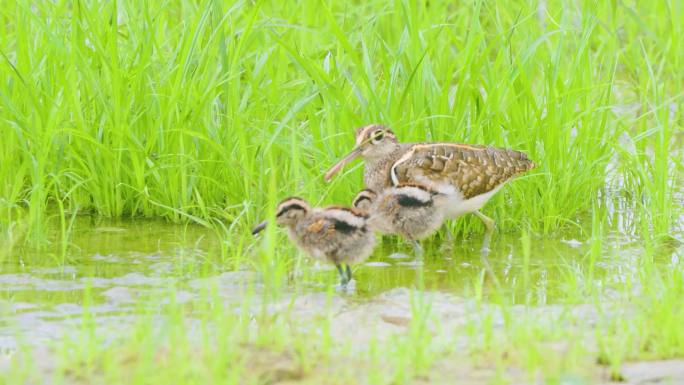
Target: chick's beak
<point>356,152</point>
<point>257,229</point>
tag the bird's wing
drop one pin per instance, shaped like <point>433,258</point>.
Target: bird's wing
<point>332,224</point>
<point>473,169</point>
<point>321,229</point>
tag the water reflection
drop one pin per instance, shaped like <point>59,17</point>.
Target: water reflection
<point>119,268</point>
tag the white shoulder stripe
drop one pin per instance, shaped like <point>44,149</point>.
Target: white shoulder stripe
<point>411,191</point>
<point>393,171</point>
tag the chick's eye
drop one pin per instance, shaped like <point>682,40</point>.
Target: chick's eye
<point>378,135</point>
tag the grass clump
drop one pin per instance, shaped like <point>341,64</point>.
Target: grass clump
<point>210,113</point>
<point>186,111</point>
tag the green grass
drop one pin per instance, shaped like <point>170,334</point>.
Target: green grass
<point>185,111</point>
<point>211,112</point>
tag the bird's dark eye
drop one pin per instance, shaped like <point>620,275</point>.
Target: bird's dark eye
<point>378,135</point>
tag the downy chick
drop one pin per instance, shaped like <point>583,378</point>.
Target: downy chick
<point>335,234</point>
<point>412,211</point>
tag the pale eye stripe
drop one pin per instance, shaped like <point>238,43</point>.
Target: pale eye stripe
<point>364,132</point>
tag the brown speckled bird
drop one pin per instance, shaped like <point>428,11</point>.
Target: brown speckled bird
<point>469,174</point>
<point>335,234</point>
<point>409,210</point>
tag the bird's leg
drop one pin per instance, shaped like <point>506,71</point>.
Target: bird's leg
<point>417,248</point>
<point>488,222</point>
<point>343,275</point>
<point>448,236</point>
<point>349,274</point>
<point>447,246</point>
<point>489,270</point>
<point>489,229</point>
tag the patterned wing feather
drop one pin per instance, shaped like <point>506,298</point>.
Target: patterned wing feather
<point>473,169</point>
<point>320,231</point>
<point>327,234</point>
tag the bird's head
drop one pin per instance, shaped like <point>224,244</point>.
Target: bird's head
<point>372,142</point>
<point>289,211</point>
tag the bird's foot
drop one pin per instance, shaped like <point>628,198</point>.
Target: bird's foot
<point>347,287</point>
<point>485,250</point>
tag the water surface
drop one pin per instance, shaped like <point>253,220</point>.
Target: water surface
<point>115,269</point>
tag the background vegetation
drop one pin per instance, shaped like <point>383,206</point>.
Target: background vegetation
<point>210,112</point>
<point>192,110</point>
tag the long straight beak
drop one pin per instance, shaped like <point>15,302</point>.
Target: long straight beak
<point>339,165</point>
<point>257,229</point>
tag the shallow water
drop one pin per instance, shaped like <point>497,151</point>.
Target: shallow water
<point>119,274</point>
<point>115,269</point>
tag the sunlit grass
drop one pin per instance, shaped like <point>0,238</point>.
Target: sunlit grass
<point>126,108</point>
<point>210,113</point>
